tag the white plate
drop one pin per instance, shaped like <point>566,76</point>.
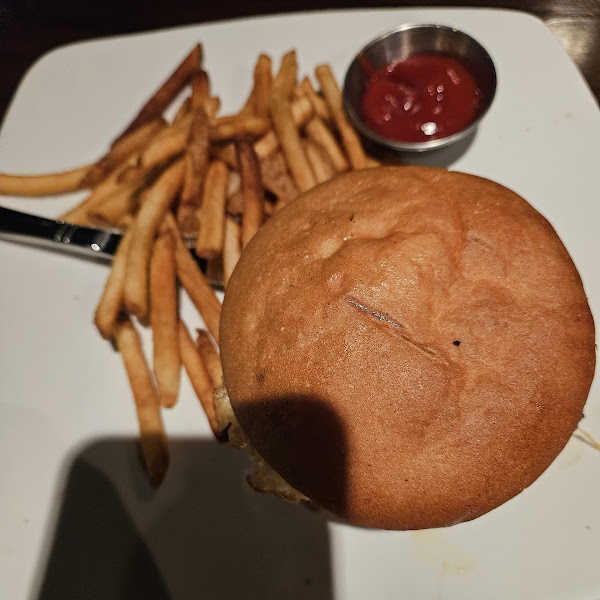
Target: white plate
<point>76,518</point>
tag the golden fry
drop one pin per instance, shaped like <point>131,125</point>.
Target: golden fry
<point>231,129</point>
<point>322,135</point>
<point>252,190</point>
<point>156,202</point>
<point>262,85</point>
<point>247,109</point>
<point>209,243</point>
<point>196,164</point>
<point>275,176</point>
<point>198,375</point>
<point>168,143</point>
<point>121,202</point>
<point>79,214</point>
<point>214,269</point>
<point>129,173</point>
<point>302,111</point>
<point>277,179</point>
<point>153,440</point>
<point>183,111</point>
<point>200,89</point>
<point>320,106</point>
<point>122,149</point>
<point>333,97</point>
<point>111,300</point>
<point>168,91</point>
<point>210,356</point>
<point>44,185</point>
<point>285,80</point>
<point>372,162</point>
<point>290,143</point>
<point>232,248</point>
<point>212,105</point>
<point>319,161</point>
<point>163,318</point>
<point>235,199</point>
<point>194,282</point>
<point>235,202</point>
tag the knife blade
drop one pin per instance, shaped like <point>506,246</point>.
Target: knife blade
<point>81,240</point>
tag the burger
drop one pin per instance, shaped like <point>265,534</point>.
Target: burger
<point>405,347</point>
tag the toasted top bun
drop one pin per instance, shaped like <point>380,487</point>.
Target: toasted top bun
<point>408,347</point>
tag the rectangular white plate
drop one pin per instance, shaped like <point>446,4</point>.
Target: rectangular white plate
<point>76,517</point>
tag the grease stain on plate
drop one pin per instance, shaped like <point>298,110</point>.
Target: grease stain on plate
<point>431,547</point>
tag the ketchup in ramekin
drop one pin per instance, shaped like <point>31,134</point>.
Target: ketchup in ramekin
<point>421,98</point>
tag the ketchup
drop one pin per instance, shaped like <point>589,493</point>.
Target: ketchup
<point>420,98</point>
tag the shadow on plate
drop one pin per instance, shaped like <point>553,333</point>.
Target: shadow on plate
<point>203,534</point>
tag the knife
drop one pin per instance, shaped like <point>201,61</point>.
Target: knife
<point>58,235</point>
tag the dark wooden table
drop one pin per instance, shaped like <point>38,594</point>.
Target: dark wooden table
<point>29,28</point>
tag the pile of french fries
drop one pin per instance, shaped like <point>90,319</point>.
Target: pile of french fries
<point>205,177</point>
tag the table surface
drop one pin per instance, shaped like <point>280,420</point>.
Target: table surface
<point>30,28</point>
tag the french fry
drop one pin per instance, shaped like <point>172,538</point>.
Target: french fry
<point>156,202</point>
<point>214,269</point>
<point>195,284</point>
<point>231,129</point>
<point>153,440</point>
<point>235,199</point>
<point>285,80</point>
<point>123,201</point>
<point>235,202</point>
<point>198,375</point>
<point>121,149</point>
<point>168,91</point>
<point>226,153</point>
<point>302,111</point>
<point>319,161</point>
<point>200,89</point>
<point>210,357</point>
<point>44,185</point>
<point>163,318</point>
<point>266,145</point>
<point>262,85</point>
<point>209,243</point>
<point>232,248</point>
<point>333,97</point>
<point>277,178</point>
<point>212,105</point>
<point>252,190</point>
<point>129,173</point>
<point>111,212</point>
<point>183,111</point>
<point>196,164</point>
<point>111,300</point>
<point>79,214</point>
<point>168,143</point>
<point>126,222</point>
<point>320,106</point>
<point>247,109</point>
<point>290,142</point>
<point>372,162</point>
<point>321,134</point>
